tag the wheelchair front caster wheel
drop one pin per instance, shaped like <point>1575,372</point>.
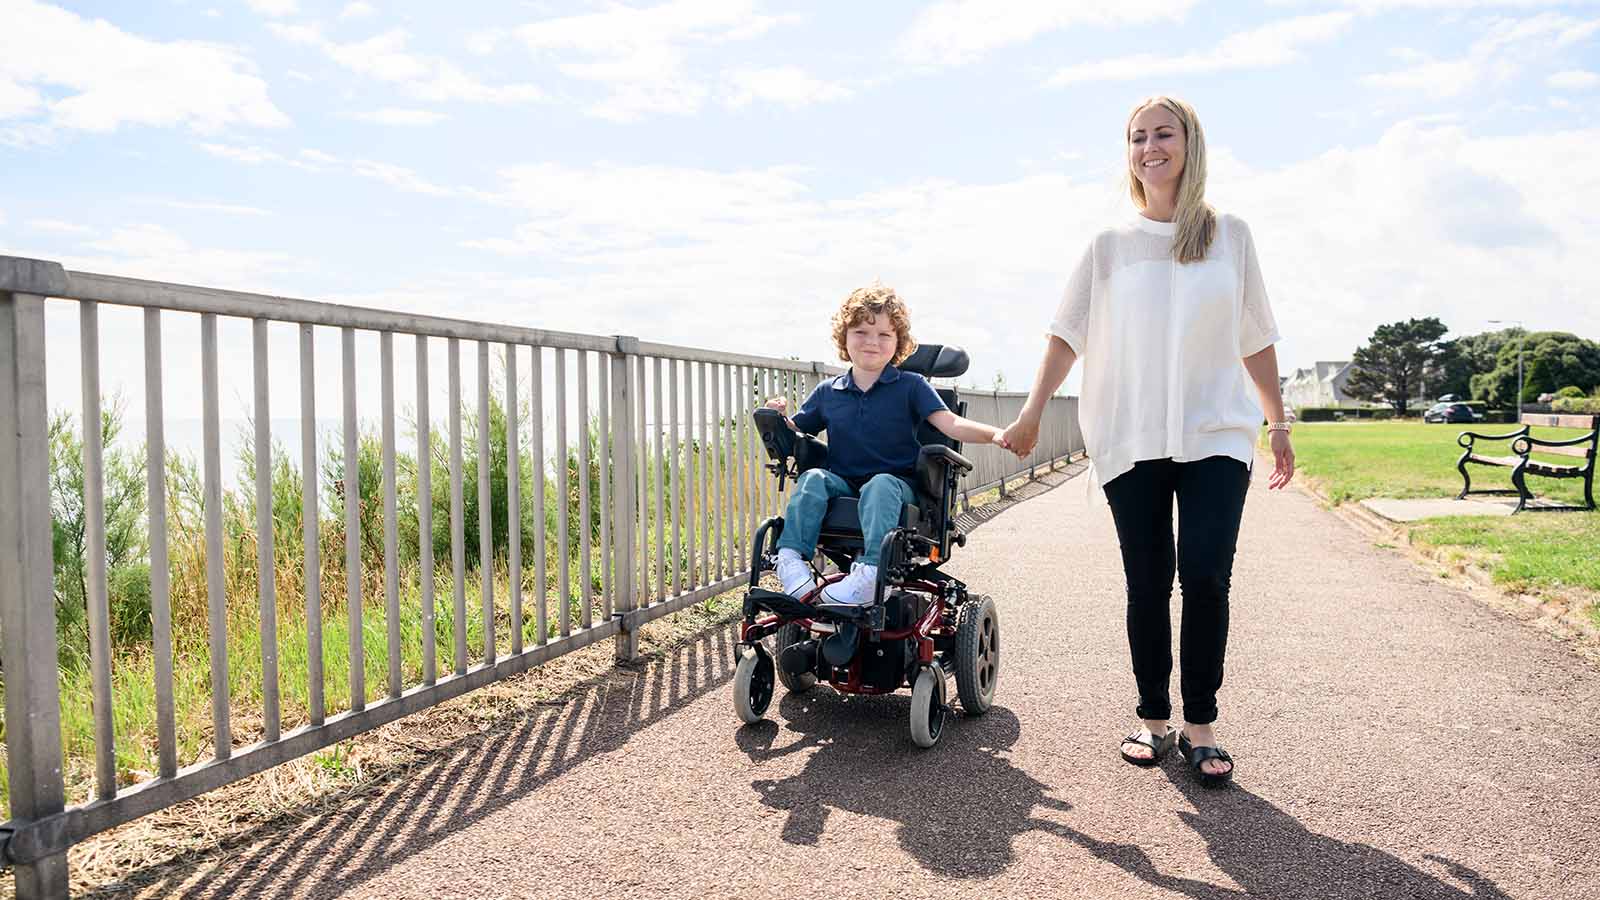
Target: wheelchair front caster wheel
<point>927,707</point>
<point>752,685</point>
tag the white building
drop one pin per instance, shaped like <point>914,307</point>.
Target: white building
<point>1320,385</point>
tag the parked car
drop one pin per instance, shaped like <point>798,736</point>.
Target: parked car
<point>1453,413</point>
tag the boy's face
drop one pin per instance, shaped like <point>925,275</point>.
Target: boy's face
<point>871,343</point>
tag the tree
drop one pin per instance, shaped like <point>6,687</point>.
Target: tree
<point>1397,358</point>
<point>1551,360</point>
<point>1464,357</point>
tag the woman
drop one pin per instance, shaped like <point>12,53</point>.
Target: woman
<point>1162,310</point>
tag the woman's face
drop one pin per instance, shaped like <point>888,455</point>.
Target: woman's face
<point>1156,145</point>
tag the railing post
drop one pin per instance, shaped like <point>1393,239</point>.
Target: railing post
<point>27,599</point>
<point>625,578</point>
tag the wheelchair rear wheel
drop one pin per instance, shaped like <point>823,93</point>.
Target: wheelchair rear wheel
<point>977,653</point>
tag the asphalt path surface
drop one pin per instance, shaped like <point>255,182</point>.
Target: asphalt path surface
<point>1393,738</point>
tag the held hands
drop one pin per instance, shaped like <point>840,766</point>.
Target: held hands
<point>1020,438</point>
<point>1282,459</point>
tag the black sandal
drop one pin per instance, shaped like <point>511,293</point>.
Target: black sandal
<point>1197,755</point>
<point>1158,748</point>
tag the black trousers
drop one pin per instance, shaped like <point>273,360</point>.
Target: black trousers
<point>1210,494</point>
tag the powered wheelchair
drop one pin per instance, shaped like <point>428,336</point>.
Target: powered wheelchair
<point>923,628</point>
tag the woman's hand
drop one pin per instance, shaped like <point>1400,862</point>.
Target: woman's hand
<point>780,404</point>
<point>1283,460</point>
<point>1021,437</point>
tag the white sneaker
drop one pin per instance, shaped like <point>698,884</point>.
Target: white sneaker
<point>795,573</point>
<point>856,589</point>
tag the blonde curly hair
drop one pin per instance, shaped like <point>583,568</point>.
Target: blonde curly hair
<point>868,303</point>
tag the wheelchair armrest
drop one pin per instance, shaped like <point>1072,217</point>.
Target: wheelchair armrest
<point>783,443</point>
<point>776,435</point>
<point>934,463</point>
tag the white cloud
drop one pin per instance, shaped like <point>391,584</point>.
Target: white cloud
<point>386,57</point>
<point>1573,80</point>
<point>274,7</point>
<point>393,116</point>
<point>156,252</point>
<point>1507,46</point>
<point>1346,244</point>
<point>90,75</point>
<point>56,226</point>
<point>640,55</point>
<point>231,209</point>
<point>395,176</point>
<point>788,85</point>
<point>1270,45</point>
<point>357,10</point>
<point>252,155</point>
<point>954,32</point>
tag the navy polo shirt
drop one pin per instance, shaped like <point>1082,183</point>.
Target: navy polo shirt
<point>870,432</point>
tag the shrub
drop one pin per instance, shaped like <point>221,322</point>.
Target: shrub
<point>1316,413</point>
<point>128,591</point>
<point>1579,405</point>
<point>1570,391</point>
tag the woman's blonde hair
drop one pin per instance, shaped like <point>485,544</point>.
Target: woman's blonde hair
<point>868,303</point>
<point>1196,220</point>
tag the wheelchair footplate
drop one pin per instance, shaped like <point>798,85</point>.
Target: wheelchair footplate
<point>759,600</point>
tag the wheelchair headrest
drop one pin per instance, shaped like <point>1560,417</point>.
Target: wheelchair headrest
<point>936,361</point>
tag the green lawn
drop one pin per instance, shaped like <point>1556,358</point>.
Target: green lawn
<point>1357,460</point>
<point>1529,551</point>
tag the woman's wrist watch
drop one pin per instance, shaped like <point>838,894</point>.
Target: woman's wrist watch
<point>1280,426</point>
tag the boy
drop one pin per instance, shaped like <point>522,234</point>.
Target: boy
<point>871,414</point>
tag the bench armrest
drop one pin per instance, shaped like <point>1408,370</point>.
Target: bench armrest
<point>1572,442</point>
<point>1466,438</point>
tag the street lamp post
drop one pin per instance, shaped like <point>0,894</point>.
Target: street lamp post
<point>1520,349</point>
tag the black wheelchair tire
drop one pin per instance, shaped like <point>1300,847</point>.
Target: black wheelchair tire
<point>977,654</point>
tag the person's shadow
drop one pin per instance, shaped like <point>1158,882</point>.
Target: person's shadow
<point>958,806</point>
<point>1270,854</point>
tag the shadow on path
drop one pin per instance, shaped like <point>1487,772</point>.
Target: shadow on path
<point>958,806</point>
<point>1270,854</point>
<point>464,782</point>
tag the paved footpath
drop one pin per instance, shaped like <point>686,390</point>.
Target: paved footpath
<point>1394,739</point>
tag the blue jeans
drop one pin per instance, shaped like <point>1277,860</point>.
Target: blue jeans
<point>879,508</point>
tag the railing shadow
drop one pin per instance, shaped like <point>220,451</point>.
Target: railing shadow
<point>465,782</point>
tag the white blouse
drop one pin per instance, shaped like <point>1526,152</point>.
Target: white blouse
<point>1161,345</point>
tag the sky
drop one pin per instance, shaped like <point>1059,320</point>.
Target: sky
<point>721,173</point>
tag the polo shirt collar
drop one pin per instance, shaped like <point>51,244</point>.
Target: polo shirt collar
<point>845,382</point>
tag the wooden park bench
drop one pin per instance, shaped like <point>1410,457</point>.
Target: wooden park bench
<point>1523,446</point>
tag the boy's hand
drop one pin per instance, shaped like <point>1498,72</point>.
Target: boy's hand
<point>780,404</point>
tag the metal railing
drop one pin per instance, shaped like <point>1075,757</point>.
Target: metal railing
<point>662,428</point>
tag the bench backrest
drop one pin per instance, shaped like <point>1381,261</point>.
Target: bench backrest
<point>1568,420</point>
